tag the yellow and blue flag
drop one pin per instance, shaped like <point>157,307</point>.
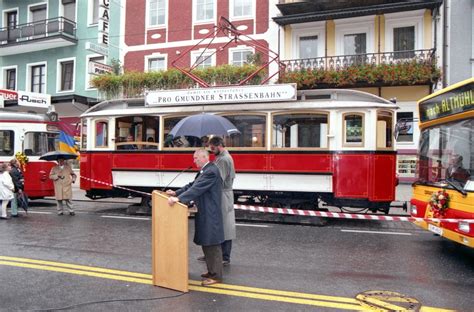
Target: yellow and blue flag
<point>67,143</point>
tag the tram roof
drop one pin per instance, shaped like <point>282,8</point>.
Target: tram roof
<point>307,99</point>
<point>6,115</point>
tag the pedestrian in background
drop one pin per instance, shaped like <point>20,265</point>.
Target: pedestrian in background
<point>206,192</point>
<point>63,177</point>
<point>6,188</point>
<point>19,183</point>
<point>225,163</point>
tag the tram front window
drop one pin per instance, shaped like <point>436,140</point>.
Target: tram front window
<point>39,143</point>
<point>446,152</point>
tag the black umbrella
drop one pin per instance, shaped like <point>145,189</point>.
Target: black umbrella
<point>203,124</point>
<point>55,155</point>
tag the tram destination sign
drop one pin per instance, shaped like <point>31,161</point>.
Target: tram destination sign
<point>453,102</point>
<point>220,95</point>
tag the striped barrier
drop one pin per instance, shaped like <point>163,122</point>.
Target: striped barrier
<point>311,213</point>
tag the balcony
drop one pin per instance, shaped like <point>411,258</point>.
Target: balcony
<point>401,68</point>
<point>51,33</point>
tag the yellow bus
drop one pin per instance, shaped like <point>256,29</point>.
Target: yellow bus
<point>444,189</point>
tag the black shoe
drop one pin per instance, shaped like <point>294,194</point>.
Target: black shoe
<point>72,213</point>
<point>15,216</point>
<point>226,262</point>
<point>60,213</point>
<point>202,258</point>
<point>4,218</point>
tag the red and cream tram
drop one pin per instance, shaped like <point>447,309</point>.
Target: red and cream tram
<point>32,135</point>
<point>334,146</point>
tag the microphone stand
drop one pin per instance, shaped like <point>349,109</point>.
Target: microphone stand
<point>179,173</point>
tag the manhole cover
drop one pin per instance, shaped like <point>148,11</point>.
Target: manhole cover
<point>383,300</point>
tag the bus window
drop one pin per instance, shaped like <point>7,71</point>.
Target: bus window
<point>143,131</point>
<point>444,148</point>
<point>353,129</point>
<point>101,133</point>
<point>39,143</point>
<point>252,131</point>
<point>300,130</point>
<point>6,143</point>
<point>384,129</point>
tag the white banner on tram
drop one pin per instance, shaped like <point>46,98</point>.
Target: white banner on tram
<point>243,94</point>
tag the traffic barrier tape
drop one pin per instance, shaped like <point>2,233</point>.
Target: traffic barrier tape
<point>312,213</point>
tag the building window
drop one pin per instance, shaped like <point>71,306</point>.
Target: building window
<point>12,23</point>
<point>405,126</point>
<point>69,9</point>
<point>156,64</point>
<point>204,10</point>
<point>308,47</point>
<point>67,75</point>
<point>38,78</point>
<point>404,40</point>
<point>10,79</point>
<point>157,10</point>
<point>252,131</point>
<point>240,57</point>
<point>202,60</point>
<point>355,44</point>
<point>242,8</point>
<point>95,11</point>
<point>38,13</point>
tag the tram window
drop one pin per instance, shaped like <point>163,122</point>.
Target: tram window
<point>143,131</point>
<point>101,133</point>
<point>354,129</point>
<point>6,143</point>
<point>84,134</point>
<point>180,141</point>
<point>39,143</point>
<point>300,130</point>
<point>384,129</point>
<point>252,131</point>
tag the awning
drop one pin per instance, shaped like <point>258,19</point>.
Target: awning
<point>311,11</point>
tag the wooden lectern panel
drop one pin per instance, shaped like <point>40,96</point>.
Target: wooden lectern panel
<point>169,243</point>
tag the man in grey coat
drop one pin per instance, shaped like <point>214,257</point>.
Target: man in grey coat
<point>206,192</point>
<point>225,163</point>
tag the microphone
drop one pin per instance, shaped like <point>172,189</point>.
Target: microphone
<point>179,173</point>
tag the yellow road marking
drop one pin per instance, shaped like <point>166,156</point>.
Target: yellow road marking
<point>383,305</point>
<point>224,289</point>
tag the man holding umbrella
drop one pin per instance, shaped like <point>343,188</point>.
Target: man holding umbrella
<point>63,177</point>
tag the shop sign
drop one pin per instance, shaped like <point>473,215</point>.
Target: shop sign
<point>104,18</point>
<point>8,95</point>
<point>34,99</point>
<point>244,94</point>
<point>99,68</point>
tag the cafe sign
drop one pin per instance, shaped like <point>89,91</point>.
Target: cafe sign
<point>220,95</point>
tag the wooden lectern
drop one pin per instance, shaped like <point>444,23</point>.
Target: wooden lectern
<point>169,243</point>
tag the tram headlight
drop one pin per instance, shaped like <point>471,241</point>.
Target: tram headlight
<point>414,210</point>
<point>464,226</point>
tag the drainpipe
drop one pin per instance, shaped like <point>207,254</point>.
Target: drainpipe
<point>445,43</point>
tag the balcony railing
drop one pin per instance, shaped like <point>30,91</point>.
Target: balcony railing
<point>344,61</point>
<point>401,68</point>
<point>37,30</point>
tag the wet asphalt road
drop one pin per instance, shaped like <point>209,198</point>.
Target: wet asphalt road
<point>340,260</point>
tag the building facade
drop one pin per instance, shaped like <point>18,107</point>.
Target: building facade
<point>159,31</point>
<point>55,47</point>
<point>388,48</point>
<point>458,43</point>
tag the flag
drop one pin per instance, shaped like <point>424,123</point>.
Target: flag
<point>67,143</point>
